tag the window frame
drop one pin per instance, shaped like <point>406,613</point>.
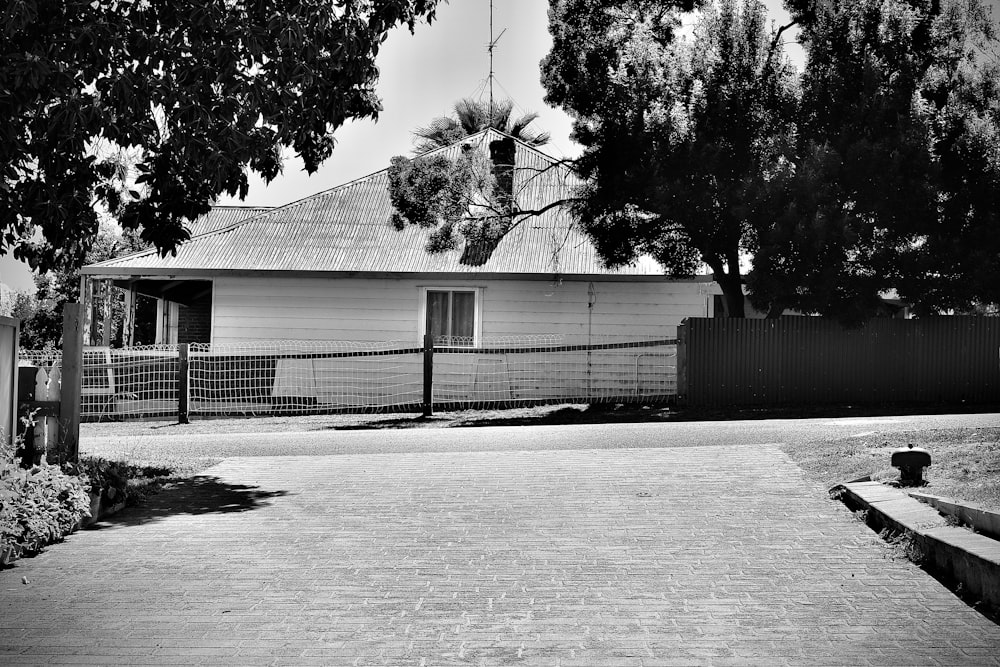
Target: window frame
<point>477,325</point>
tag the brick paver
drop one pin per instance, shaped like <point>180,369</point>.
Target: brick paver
<point>671,556</point>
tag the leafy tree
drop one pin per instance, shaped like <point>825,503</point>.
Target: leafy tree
<point>893,181</point>
<point>150,110</point>
<point>41,313</point>
<point>675,132</point>
<point>470,117</point>
<point>472,196</point>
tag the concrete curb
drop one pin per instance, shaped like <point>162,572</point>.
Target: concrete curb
<point>954,553</point>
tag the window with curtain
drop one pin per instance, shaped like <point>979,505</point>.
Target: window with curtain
<point>451,317</point>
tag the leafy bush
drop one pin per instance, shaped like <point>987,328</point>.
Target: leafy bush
<point>109,478</point>
<point>42,504</point>
<point>120,481</point>
<point>38,506</point>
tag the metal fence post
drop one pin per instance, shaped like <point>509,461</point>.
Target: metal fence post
<point>428,375</point>
<point>182,384</point>
<point>72,382</point>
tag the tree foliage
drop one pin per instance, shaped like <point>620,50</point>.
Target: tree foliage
<point>675,132</point>
<point>876,169</point>
<point>41,313</point>
<point>893,181</point>
<point>470,197</point>
<point>152,109</point>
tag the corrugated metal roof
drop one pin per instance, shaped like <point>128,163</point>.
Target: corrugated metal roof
<point>223,216</point>
<point>347,229</point>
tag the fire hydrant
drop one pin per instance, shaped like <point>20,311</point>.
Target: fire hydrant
<point>911,462</point>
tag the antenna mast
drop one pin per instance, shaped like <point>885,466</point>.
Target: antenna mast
<point>492,45</point>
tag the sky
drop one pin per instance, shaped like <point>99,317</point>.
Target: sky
<point>421,77</point>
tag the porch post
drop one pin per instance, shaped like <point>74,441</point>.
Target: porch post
<point>128,320</point>
<point>106,313</point>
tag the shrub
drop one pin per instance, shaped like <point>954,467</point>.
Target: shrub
<point>120,481</point>
<point>109,478</point>
<point>38,506</point>
<point>42,504</point>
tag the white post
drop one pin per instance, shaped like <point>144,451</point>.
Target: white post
<point>160,326</point>
<point>87,301</point>
<point>128,321</point>
<point>41,394</point>
<point>52,393</point>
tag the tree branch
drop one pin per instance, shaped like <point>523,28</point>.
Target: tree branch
<point>777,38</point>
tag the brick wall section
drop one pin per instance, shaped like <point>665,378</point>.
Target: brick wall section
<point>194,323</point>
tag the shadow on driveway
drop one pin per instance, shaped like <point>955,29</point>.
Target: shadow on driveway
<point>197,495</point>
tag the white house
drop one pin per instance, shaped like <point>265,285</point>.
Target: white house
<point>332,267</point>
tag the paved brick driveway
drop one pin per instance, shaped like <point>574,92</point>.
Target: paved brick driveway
<point>695,555</point>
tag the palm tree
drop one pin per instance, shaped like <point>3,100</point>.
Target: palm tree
<point>471,117</point>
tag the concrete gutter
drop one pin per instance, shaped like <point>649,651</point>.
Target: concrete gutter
<point>978,518</point>
<point>951,552</point>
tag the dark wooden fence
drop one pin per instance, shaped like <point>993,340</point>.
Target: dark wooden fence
<point>816,361</point>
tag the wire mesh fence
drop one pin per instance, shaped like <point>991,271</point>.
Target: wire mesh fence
<point>139,381</point>
<point>304,376</point>
<point>301,377</point>
<point>46,358</point>
<point>512,371</point>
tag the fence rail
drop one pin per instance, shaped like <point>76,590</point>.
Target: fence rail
<point>294,377</point>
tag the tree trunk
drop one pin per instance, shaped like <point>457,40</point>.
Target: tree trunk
<point>732,294</point>
<point>775,311</point>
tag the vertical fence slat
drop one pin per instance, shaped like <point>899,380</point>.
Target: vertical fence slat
<point>41,394</point>
<point>52,393</point>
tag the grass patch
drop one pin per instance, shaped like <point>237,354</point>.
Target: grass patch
<point>965,462</point>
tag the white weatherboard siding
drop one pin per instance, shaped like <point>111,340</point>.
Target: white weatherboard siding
<point>270,309</point>
<point>383,309</point>
<point>620,308</point>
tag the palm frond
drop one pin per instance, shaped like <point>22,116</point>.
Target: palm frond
<point>441,131</point>
<point>472,116</point>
